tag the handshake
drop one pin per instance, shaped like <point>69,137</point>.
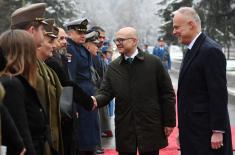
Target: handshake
<point>82,98</point>
<point>87,102</point>
<point>94,102</point>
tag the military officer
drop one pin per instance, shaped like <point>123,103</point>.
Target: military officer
<point>31,19</point>
<point>80,67</point>
<point>49,87</point>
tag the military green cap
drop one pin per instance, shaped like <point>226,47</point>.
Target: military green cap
<point>33,12</point>
<point>51,29</point>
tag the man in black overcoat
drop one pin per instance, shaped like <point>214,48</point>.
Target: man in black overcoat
<point>202,95</point>
<point>144,97</point>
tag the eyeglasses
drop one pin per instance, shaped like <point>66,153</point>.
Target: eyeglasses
<point>121,40</point>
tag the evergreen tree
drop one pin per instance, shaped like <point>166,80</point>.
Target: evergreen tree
<point>61,10</point>
<point>7,7</point>
<point>218,20</point>
<point>166,13</point>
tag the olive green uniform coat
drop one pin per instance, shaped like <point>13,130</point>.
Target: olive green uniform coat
<point>49,91</point>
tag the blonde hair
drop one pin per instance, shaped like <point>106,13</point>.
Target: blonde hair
<point>20,52</point>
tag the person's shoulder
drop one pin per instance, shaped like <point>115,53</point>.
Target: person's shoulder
<point>212,49</point>
<point>205,42</point>
<point>82,50</point>
<point>70,42</point>
<point>151,57</point>
<point>72,46</point>
<point>116,61</point>
<point>53,62</point>
<point>209,42</point>
<point>11,82</point>
<point>9,79</point>
<point>49,70</point>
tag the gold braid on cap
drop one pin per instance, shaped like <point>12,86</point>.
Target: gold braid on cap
<point>82,30</point>
<point>46,33</point>
<point>39,19</point>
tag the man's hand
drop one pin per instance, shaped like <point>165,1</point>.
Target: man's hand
<point>178,140</point>
<point>23,152</point>
<point>168,131</point>
<point>217,140</point>
<point>77,114</point>
<point>94,102</point>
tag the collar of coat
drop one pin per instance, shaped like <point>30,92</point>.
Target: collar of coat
<point>70,42</point>
<point>139,56</point>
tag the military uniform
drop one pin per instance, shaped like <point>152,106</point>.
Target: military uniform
<point>49,90</point>
<point>163,53</point>
<point>80,67</point>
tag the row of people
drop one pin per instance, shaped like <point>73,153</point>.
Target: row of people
<point>145,99</point>
<point>32,88</point>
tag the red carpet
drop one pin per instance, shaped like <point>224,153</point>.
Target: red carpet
<point>172,149</point>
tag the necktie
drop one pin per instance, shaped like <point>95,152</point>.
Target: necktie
<point>129,60</point>
<point>186,58</point>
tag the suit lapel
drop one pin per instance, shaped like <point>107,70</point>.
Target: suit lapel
<point>193,53</point>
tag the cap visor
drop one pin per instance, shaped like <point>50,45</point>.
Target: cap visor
<point>44,22</point>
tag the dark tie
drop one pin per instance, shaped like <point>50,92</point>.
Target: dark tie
<point>186,58</point>
<point>129,60</point>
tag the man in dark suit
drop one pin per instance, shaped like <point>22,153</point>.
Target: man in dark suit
<point>144,98</point>
<point>204,127</point>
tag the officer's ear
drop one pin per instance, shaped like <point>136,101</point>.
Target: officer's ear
<point>31,29</point>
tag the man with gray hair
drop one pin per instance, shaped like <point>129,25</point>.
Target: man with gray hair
<point>202,95</point>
